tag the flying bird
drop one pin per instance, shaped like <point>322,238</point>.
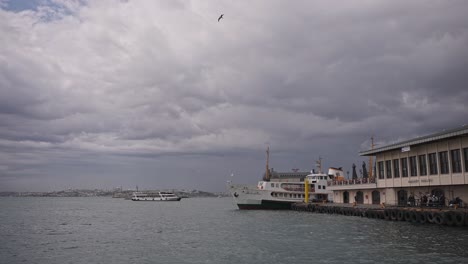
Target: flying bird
<point>221,16</point>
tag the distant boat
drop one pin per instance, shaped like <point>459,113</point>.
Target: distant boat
<point>155,196</point>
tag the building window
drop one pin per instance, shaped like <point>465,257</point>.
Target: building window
<point>432,163</point>
<point>443,160</point>
<point>465,156</point>
<point>381,170</point>
<point>404,167</point>
<point>413,166</point>
<point>388,167</point>
<point>422,165</point>
<point>456,161</point>
<point>396,168</point>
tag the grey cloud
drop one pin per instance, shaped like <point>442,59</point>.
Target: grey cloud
<point>146,86</point>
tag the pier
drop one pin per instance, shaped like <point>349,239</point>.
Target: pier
<point>439,216</point>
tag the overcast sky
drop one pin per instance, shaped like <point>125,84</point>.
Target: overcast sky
<point>159,94</point>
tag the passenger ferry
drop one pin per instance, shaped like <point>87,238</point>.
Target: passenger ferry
<point>281,193</point>
<point>155,196</point>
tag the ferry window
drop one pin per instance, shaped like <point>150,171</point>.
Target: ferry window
<point>277,185</point>
<point>381,169</point>
<point>432,163</point>
<point>396,168</point>
<point>324,187</point>
<point>443,159</point>
<point>320,186</point>
<point>456,161</point>
<point>388,167</point>
<point>422,165</point>
<point>272,185</point>
<point>413,168</point>
<point>465,157</point>
<point>404,167</point>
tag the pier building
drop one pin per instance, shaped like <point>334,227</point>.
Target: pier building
<point>430,170</point>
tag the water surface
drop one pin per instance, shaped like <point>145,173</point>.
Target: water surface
<point>209,230</point>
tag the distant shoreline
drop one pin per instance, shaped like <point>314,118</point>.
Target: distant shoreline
<point>106,193</point>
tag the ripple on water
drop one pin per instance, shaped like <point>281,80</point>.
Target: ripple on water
<point>105,230</point>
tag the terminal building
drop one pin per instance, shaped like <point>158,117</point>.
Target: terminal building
<point>420,171</point>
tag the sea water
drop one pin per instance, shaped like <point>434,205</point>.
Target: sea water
<point>209,230</point>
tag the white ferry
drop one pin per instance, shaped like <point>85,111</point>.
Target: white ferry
<point>155,196</point>
<point>277,192</point>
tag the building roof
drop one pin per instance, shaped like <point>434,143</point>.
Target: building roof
<point>419,140</point>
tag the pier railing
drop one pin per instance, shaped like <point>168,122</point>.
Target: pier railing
<point>351,181</point>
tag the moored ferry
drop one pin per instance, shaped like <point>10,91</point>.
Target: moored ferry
<point>280,190</point>
<point>155,196</point>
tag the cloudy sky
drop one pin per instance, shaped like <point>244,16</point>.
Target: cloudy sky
<point>157,93</point>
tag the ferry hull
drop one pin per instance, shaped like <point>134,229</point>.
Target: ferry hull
<point>266,205</point>
<point>155,197</point>
<point>251,198</point>
<point>157,200</point>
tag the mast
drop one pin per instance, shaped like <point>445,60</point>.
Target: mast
<point>371,167</point>
<point>319,165</point>
<point>267,169</point>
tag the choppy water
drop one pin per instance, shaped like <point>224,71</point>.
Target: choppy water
<point>209,230</point>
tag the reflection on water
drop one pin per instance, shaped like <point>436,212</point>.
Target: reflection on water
<point>209,230</point>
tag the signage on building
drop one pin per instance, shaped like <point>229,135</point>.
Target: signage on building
<point>405,149</point>
<point>418,181</point>
<point>426,180</point>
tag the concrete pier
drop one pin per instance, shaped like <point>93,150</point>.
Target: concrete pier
<point>439,216</point>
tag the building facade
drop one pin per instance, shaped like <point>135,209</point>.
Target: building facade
<point>427,170</point>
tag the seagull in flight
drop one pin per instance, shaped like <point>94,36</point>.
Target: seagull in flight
<point>221,16</point>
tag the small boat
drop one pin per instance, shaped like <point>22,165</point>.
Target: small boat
<point>155,196</point>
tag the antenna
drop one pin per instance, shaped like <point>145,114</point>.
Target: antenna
<point>230,179</point>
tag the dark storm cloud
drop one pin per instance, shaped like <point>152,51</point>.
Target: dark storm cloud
<point>140,87</point>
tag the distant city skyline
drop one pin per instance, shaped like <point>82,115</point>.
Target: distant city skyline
<point>160,94</point>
